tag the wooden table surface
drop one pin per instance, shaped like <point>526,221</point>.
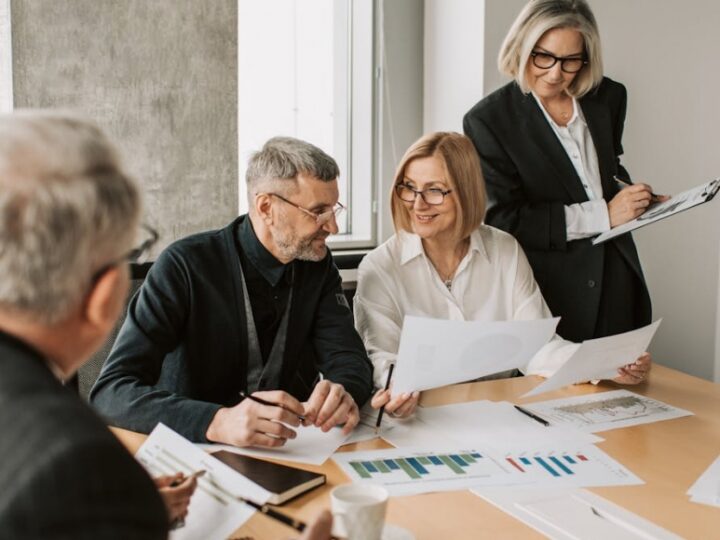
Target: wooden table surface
<point>669,456</point>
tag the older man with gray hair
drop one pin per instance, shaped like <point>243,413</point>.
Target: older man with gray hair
<point>68,218</point>
<point>254,309</point>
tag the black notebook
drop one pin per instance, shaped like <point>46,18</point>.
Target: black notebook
<point>282,481</point>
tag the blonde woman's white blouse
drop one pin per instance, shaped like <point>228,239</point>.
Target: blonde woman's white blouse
<point>493,282</point>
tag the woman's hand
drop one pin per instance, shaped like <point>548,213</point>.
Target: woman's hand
<point>636,372</point>
<point>631,202</point>
<point>176,492</point>
<point>400,406</point>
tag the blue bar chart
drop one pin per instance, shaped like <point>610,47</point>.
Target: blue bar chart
<point>404,472</point>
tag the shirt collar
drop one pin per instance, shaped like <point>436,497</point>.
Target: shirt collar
<point>577,115</point>
<point>411,246</point>
<point>258,255</point>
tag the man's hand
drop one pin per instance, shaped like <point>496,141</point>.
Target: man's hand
<point>320,528</point>
<point>252,424</point>
<point>636,372</point>
<point>400,406</point>
<point>330,405</point>
<point>176,492</point>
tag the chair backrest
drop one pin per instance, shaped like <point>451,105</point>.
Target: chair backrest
<point>89,372</point>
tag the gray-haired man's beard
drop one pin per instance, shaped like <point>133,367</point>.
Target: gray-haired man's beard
<point>291,247</point>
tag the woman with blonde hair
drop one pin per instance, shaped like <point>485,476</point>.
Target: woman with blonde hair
<point>443,262</point>
<point>550,143</point>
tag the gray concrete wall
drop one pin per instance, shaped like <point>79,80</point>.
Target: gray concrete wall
<point>160,76</point>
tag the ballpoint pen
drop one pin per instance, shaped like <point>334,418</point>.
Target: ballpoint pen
<point>382,409</point>
<point>261,401</point>
<point>655,198</point>
<point>178,481</point>
<point>531,415</point>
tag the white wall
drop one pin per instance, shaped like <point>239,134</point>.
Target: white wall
<point>666,55</point>
<point>453,51</point>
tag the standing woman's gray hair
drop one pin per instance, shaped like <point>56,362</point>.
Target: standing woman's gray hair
<point>536,18</point>
<point>67,208</point>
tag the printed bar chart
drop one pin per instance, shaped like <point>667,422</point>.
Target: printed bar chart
<point>416,467</point>
<point>404,471</point>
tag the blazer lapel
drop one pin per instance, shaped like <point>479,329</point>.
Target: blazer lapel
<point>543,137</point>
<point>597,117</point>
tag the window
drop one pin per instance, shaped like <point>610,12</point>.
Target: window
<point>305,70</point>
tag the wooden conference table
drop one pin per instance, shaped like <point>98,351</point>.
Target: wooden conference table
<point>669,456</point>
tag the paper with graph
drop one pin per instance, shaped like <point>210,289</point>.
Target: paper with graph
<point>405,471</point>
<point>435,352</point>
<point>607,410</point>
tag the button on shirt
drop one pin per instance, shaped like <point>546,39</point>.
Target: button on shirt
<point>494,282</point>
<point>588,218</point>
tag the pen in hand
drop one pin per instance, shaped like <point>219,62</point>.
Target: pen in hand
<point>532,415</point>
<point>261,401</point>
<point>382,409</point>
<point>623,183</point>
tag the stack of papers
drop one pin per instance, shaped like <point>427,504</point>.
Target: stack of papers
<point>706,490</point>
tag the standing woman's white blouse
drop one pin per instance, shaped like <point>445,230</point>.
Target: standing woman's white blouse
<point>493,282</point>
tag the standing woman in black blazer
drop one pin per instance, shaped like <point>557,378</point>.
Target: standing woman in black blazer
<point>550,145</point>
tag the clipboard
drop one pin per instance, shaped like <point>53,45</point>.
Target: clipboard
<point>655,212</point>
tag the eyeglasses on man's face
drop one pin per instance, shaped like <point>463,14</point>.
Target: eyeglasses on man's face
<point>135,255</point>
<point>545,60</point>
<point>431,196</point>
<point>320,218</point>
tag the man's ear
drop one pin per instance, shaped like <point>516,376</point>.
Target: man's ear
<point>106,299</point>
<point>263,207</point>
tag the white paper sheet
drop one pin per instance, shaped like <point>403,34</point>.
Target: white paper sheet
<point>436,352</point>
<point>608,410</point>
<point>480,424</point>
<point>572,514</point>
<point>677,203</point>
<point>214,513</point>
<point>402,473</point>
<point>405,471</point>
<point>311,446</point>
<point>599,358</point>
<point>565,465</point>
<point>365,430</point>
<point>706,490</point>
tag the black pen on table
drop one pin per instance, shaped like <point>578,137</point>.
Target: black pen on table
<point>382,409</point>
<point>279,516</point>
<point>532,415</point>
<point>261,401</point>
<point>624,183</point>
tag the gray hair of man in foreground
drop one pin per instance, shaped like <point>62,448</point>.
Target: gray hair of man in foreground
<point>277,165</point>
<point>67,208</point>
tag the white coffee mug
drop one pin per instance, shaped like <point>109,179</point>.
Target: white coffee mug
<point>359,511</point>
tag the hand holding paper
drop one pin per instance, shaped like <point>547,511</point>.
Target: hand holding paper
<point>600,358</point>
<point>436,352</point>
